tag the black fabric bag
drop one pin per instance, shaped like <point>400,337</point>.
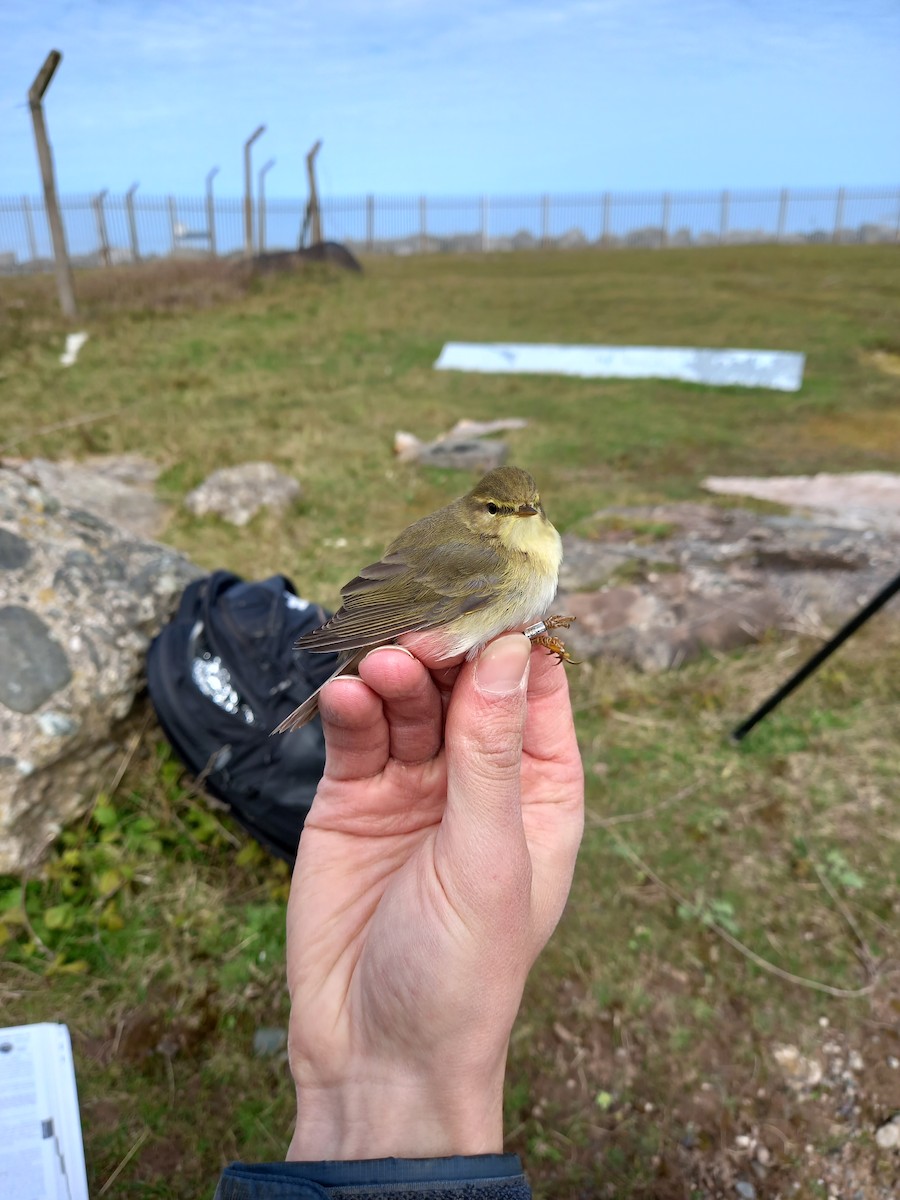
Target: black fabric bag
<point>222,674</point>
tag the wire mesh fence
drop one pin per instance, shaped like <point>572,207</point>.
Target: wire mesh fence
<point>108,229</point>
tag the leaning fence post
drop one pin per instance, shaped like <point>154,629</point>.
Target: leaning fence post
<point>64,283</point>
<point>838,216</point>
<point>423,224</point>
<point>102,237</point>
<point>173,224</point>
<point>261,205</point>
<point>211,211</point>
<point>29,228</point>
<point>723,216</point>
<point>132,223</point>
<point>782,214</point>
<point>604,232</point>
<point>248,191</point>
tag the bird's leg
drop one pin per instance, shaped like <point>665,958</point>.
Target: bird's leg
<point>539,635</point>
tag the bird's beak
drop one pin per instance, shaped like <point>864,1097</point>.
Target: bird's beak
<point>526,510</point>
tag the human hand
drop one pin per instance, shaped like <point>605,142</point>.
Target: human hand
<point>434,864</point>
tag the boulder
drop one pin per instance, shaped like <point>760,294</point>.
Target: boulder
<point>237,494</point>
<point>80,600</point>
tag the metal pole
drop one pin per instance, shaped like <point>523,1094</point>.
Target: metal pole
<point>313,208</point>
<point>211,211</point>
<point>838,216</point>
<point>132,223</point>
<point>604,236</point>
<point>723,217</point>
<point>666,213</point>
<point>29,228</point>
<point>36,92</point>
<point>370,223</point>
<point>423,224</point>
<point>100,216</point>
<point>248,191</point>
<point>545,220</point>
<point>484,224</point>
<point>173,223</point>
<point>782,214</point>
<point>261,202</point>
<point>877,601</point>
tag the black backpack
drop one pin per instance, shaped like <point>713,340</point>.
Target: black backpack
<point>221,675</point>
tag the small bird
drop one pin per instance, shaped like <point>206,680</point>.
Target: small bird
<point>487,563</point>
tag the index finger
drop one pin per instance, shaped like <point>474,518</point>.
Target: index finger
<point>549,726</point>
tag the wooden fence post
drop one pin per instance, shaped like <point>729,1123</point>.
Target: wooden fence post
<point>64,283</point>
<point>315,216</point>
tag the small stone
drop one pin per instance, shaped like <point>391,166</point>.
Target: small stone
<point>34,664</point>
<point>887,1136</point>
<point>893,1062</point>
<point>56,724</point>
<point>237,494</point>
<point>269,1042</point>
<point>763,1157</point>
<point>14,551</point>
<point>745,1189</point>
<point>855,1061</point>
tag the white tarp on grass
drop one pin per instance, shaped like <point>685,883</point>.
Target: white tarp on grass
<point>721,368</point>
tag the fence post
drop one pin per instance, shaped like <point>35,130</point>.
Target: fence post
<point>64,283</point>
<point>173,223</point>
<point>782,214</point>
<point>261,203</point>
<point>423,224</point>
<point>545,221</point>
<point>484,224</point>
<point>132,223</point>
<point>604,232</point>
<point>838,216</point>
<point>211,211</point>
<point>370,223</point>
<point>29,228</point>
<point>248,191</point>
<point>897,230</point>
<point>100,216</point>
<point>666,211</point>
<point>723,217</point>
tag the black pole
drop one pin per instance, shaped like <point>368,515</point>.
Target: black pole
<point>878,601</point>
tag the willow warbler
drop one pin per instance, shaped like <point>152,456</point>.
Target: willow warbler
<point>485,564</point>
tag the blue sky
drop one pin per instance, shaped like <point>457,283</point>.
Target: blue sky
<point>427,96</point>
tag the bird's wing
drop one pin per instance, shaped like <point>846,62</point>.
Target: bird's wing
<point>393,596</point>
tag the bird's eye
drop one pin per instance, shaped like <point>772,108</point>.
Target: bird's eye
<point>492,508</point>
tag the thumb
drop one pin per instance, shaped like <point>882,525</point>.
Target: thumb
<point>482,825</point>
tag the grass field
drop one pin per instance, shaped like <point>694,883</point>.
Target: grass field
<point>644,1050</point>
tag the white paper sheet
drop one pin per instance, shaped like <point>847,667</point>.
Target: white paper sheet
<point>776,369</point>
<point>41,1148</point>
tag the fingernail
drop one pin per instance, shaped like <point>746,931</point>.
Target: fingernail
<point>392,649</point>
<point>502,665</point>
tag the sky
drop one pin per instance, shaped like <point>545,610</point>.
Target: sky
<point>503,97</point>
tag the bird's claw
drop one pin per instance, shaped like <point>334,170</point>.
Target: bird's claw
<point>539,635</point>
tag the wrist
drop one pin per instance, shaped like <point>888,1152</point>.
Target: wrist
<point>398,1119</point>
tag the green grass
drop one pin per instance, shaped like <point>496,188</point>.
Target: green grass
<point>156,932</point>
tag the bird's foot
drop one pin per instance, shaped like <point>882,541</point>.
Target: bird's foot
<point>539,635</point>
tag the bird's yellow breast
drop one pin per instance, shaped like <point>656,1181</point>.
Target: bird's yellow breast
<point>536,538</point>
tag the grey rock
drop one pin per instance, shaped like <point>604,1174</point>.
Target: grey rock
<point>34,664</point>
<point>676,580</point>
<point>267,1043</point>
<point>76,617</point>
<point>745,1189</point>
<point>113,489</point>
<point>465,454</point>
<point>237,494</point>
<point>14,552</point>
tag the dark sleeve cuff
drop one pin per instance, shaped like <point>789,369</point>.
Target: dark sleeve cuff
<point>479,1177</point>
